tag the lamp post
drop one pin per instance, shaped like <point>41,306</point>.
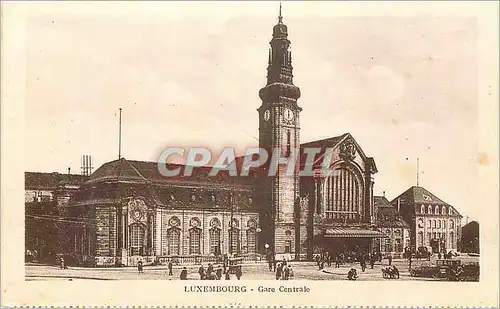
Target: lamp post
<point>231,202</point>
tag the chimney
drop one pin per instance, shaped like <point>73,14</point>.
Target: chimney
<point>399,205</point>
<point>69,170</point>
<point>383,192</point>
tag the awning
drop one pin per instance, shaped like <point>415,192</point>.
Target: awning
<point>352,233</point>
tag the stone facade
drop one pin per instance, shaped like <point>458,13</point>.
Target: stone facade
<point>433,223</point>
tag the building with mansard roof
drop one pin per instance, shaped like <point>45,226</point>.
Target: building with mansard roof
<point>434,223</point>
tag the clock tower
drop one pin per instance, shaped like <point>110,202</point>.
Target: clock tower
<point>279,129</point>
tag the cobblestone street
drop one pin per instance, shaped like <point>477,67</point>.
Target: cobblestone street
<point>252,271</point>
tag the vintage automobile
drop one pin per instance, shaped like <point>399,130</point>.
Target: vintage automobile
<point>470,272</point>
<point>448,268</point>
<point>423,253</point>
<point>426,271</point>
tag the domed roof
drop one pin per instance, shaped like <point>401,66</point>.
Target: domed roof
<point>280,30</point>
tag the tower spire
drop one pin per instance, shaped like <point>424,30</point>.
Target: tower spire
<point>280,18</point>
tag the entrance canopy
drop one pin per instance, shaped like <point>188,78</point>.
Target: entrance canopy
<point>352,233</point>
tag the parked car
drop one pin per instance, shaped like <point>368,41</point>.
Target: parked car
<point>423,253</point>
<point>425,271</point>
<point>470,272</point>
<point>448,269</point>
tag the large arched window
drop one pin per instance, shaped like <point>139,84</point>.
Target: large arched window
<point>234,240</point>
<point>137,238</point>
<point>429,209</point>
<point>343,196</point>
<point>422,209</point>
<point>436,210</point>
<point>215,241</point>
<point>452,224</point>
<point>174,243</point>
<point>214,236</point>
<point>443,210</point>
<point>195,240</point>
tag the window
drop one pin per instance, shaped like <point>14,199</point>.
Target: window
<point>428,239</point>
<point>444,224</point>
<point>398,247</point>
<point>450,211</point>
<point>436,210</point>
<point>420,239</point>
<point>429,210</point>
<point>215,241</point>
<point>420,223</point>
<point>434,235</point>
<point>452,225</point>
<point>439,224</point>
<point>452,240</point>
<point>429,223</point>
<point>443,210</point>
<point>342,196</point>
<point>194,241</point>
<point>251,243</point>
<point>422,209</point>
<point>433,223</point>
<point>388,245</point>
<point>288,246</point>
<point>174,235</point>
<point>234,240</point>
<point>136,239</point>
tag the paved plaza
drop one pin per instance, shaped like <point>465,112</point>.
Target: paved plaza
<point>251,271</point>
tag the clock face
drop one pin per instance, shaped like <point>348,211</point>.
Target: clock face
<point>137,213</point>
<point>267,115</point>
<point>288,114</point>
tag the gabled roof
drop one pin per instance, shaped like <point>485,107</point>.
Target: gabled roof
<point>386,210</point>
<point>147,172</point>
<point>421,196</point>
<point>50,181</point>
<point>333,142</point>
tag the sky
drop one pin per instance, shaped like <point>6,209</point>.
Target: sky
<point>189,74</point>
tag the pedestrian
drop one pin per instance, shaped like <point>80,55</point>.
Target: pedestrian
<point>170,267</point>
<point>278,271</point>
<point>201,272</point>
<point>270,262</point>
<point>274,264</point>
<point>409,262</point>
<point>338,261</point>
<point>286,273</point>
<point>224,264</point>
<point>372,262</point>
<point>210,269</point>
<point>218,273</point>
<point>238,272</point>
<point>228,277</point>
<point>290,272</point>
<point>140,267</point>
<point>439,255</point>
<point>363,264</point>
<point>390,259</point>
<point>184,274</point>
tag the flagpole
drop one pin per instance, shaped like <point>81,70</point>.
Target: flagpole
<point>418,170</point>
<point>120,136</point>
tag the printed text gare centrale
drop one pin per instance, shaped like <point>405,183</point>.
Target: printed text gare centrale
<point>244,289</point>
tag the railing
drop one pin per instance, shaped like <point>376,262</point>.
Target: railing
<point>203,259</point>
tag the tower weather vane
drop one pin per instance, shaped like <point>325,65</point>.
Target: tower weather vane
<point>280,18</point>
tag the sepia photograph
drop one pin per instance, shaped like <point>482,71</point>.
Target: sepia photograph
<point>249,141</point>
